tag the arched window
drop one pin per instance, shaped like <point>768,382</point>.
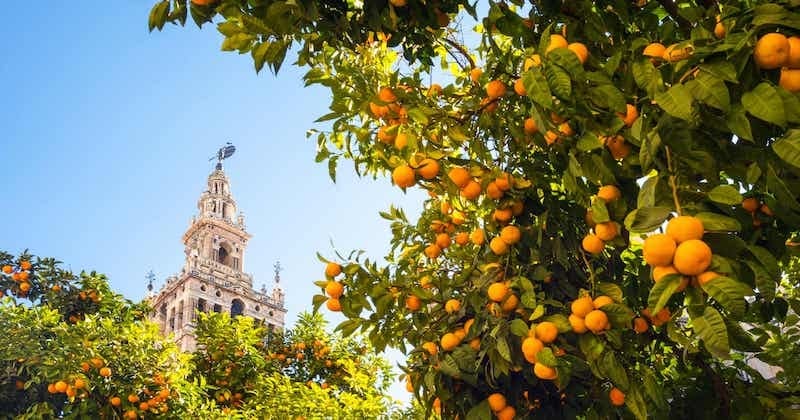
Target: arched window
<point>222,255</point>
<point>237,307</point>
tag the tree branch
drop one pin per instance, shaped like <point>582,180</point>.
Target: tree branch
<point>672,9</point>
<point>460,48</point>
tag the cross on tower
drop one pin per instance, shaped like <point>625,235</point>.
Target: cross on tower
<point>278,270</point>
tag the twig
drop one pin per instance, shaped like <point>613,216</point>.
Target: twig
<point>672,183</point>
<point>591,270</point>
<point>460,49</point>
<point>672,9</point>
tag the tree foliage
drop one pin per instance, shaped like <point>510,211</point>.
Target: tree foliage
<point>551,148</point>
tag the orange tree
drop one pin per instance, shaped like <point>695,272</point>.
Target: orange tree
<point>613,193</point>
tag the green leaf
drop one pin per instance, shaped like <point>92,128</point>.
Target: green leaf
<point>519,328</point>
<point>546,357</point>
<point>608,97</point>
<point>721,69</point>
<point>711,91</point>
<point>774,15</point>
<point>418,115</point>
<point>662,291</point>
<point>537,88</point>
<point>710,327</point>
<point>609,289</point>
<point>647,194</point>
<point>738,123</point>
<point>647,76</point>
<point>559,82</point>
<point>753,173</point>
<point>619,315</point>
<point>158,15</point>
<point>561,321</point>
<point>635,403</point>
<point>502,349</point>
<point>481,411</point>
<point>729,293</point>
<point>652,388</point>
<point>567,60</point>
<point>765,103</point>
<point>788,147</point>
<point>715,222</point>
<point>646,219</point>
<point>764,282</point>
<point>676,101</point>
<point>591,346</point>
<point>740,339</point>
<point>613,370</point>
<point>599,211</point>
<point>589,141</point>
<point>725,194</point>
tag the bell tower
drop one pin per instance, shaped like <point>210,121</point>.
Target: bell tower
<point>213,276</point>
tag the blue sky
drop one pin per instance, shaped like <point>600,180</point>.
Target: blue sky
<point>107,134</point>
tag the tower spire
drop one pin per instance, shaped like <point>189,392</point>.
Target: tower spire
<point>278,269</point>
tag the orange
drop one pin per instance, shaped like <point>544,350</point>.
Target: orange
<point>434,90</point>
<point>640,325</point>
<point>546,331</point>
<point>495,89</point>
<point>660,271</point>
<point>618,147</point>
<point>794,53</point>
<point>79,383</point>
<point>772,51</point>
<point>550,137</point>
<point>7,269</point>
<point>565,129</point>
<point>332,269</point>
<point>432,251</point>
<point>510,235</point>
<point>449,342</point>
<point>378,111</point>
<point>582,306</point>
<point>489,105</point>
<point>659,249</point>
<point>530,127</point>
<point>507,413</point>
<point>133,399</point>
<point>692,257</point>
<point>97,362</point>
<point>592,244</point>
<point>24,287</point>
<point>386,94</point>
<point>790,79</point>
<point>519,87</point>
<point>683,228</point>
<point>606,231</point>
<point>413,303</point>
<point>428,168</point>
<point>475,74</point>
<point>460,333</point>
<point>655,51</point>
<point>401,141</point>
<point>477,236</point>
<point>144,406</point>
<point>704,278</point>
<point>497,291</point>
<point>556,41</point>
<point>403,176</point>
<point>115,401</point>
<point>458,218</point>
<point>630,116</point>
<point>60,386</point>
<point>616,396</point>
<point>531,347</point>
<point>503,215</point>
<point>674,54</point>
<point>452,305</point>
<point>578,325</point>
<point>384,134</point>
<point>105,372</point>
<point>472,190</point>
<point>462,238</point>
<point>601,301</point>
<point>580,50</point>
<point>443,240</point>
<point>510,303</point>
<point>460,176</point>
<point>334,289</point>
<point>333,305</point>
<point>661,317</point>
<point>431,348</point>
<point>719,30</point>
<point>131,414</point>
<point>498,246</point>
<point>534,61</point>
<point>468,324</point>
<point>503,182</point>
<point>596,321</point>
<point>25,265</point>
<point>497,402</point>
<point>493,191</point>
<point>609,193</point>
<point>517,207</point>
<point>544,372</point>
<point>766,210</point>
<point>85,366</point>
<point>750,204</point>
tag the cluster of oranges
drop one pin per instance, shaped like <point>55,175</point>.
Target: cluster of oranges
<point>70,389</point>
<point>451,340</point>
<point>499,406</point>
<point>541,334</point>
<point>594,243</point>
<point>333,289</point>
<point>502,300</point>
<point>753,206</point>
<point>587,316</point>
<point>20,277</point>
<point>680,251</point>
<point>673,53</point>
<point>777,51</point>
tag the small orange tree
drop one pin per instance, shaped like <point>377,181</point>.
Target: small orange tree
<point>613,193</point>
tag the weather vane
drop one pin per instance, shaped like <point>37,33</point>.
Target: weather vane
<point>150,277</point>
<point>278,270</point>
<point>223,153</point>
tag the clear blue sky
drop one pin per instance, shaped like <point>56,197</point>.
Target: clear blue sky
<point>107,134</point>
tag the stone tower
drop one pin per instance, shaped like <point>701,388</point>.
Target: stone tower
<point>213,277</point>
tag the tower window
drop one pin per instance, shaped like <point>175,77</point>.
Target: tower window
<point>237,307</point>
<point>222,255</point>
<point>217,307</point>
<point>236,263</point>
<point>201,305</point>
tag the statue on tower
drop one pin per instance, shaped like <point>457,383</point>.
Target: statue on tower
<point>223,153</point>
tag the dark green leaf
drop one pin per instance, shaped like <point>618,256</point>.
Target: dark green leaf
<point>519,328</point>
<point>662,291</point>
<point>725,194</point>
<point>646,219</point>
<point>715,222</point>
<point>788,147</point>
<point>676,101</point>
<point>729,293</point>
<point>710,327</point>
<point>537,88</point>
<point>765,103</point>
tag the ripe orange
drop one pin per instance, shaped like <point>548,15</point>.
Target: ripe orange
<point>497,291</point>
<point>662,317</point>
<point>495,89</point>
<point>498,246</point>
<point>115,401</point>
<point>683,228</point>
<point>475,74</point>
<point>640,325</point>
<point>413,303</point>
<point>582,306</point>
<point>544,372</point>
<point>704,278</point>
<point>510,235</point>
<point>431,348</point>
<point>503,182</point>
<point>507,413</point>
<point>510,303</point>
<point>332,269</point>
<point>60,386</point>
<point>546,331</point>
<point>750,204</point>
<point>131,414</point>
<point>334,289</point>
<point>592,244</point>
<point>105,372</point>
<point>659,249</point>
<point>580,50</point>
<point>565,129</point>
<point>25,265</point>
<point>460,333</point>
<point>618,147</point>
<point>333,305</point>
<point>596,321</point>
<point>660,271</point>
<point>616,396</point>
<point>530,126</point>
<point>673,54</point>
<point>24,287</point>
<point>79,383</point>
<point>472,190</point>
<point>556,41</point>
<point>477,237</point>
<point>468,324</point>
<point>386,94</point>
<point>601,301</point>
<point>387,134</point>
<point>133,398</point>
<point>493,191</point>
<point>460,176</point>
<point>497,402</point>
<point>462,238</point>
<point>794,53</point>
<point>692,257</point>
<point>403,176</point>
<point>432,251</point>
<point>719,30</point>
<point>530,348</point>
<point>606,231</point>
<point>766,210</point>
<point>772,51</point>
<point>503,215</point>
<point>434,90</point>
<point>630,116</point>
<point>449,341</point>
<point>550,137</point>
<point>534,61</point>
<point>578,324</point>
<point>655,51</point>
<point>144,406</point>
<point>428,168</point>
<point>97,362</point>
<point>452,306</point>
<point>85,366</point>
<point>609,193</point>
<point>443,240</point>
<point>519,87</point>
<point>378,111</point>
<point>790,79</point>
